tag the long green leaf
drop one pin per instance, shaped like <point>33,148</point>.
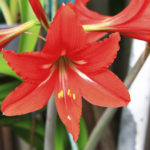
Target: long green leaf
<point>27,42</point>
<point>61,137</point>
<point>5,121</point>
<point>83,136</point>
<point>6,88</point>
<point>23,129</point>
<point>5,69</point>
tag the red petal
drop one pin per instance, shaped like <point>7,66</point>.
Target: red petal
<point>134,24</point>
<point>95,36</point>
<point>33,66</point>
<point>92,36</point>
<point>65,33</point>
<point>40,13</point>
<point>107,90</point>
<point>83,1</point>
<point>97,56</point>
<point>28,97</point>
<point>68,103</point>
<point>140,36</point>
<point>85,15</point>
<point>124,16</point>
<point>90,17</point>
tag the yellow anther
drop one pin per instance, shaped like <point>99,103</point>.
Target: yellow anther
<point>61,94</point>
<point>69,92</point>
<point>58,95</point>
<point>74,96</point>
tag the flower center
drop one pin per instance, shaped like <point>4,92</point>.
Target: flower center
<point>63,63</point>
<point>65,92</point>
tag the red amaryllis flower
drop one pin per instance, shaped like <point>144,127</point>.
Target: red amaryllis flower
<point>72,67</point>
<point>6,35</point>
<point>133,21</point>
<point>39,12</point>
<point>41,15</point>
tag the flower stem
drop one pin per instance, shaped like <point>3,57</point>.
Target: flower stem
<point>50,124</point>
<point>54,8</point>
<point>109,112</point>
<point>46,4</point>
<point>137,67</point>
<point>51,109</point>
<point>39,36</point>
<point>33,122</point>
<point>6,12</point>
<point>13,5</point>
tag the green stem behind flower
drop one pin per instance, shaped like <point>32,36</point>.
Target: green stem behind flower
<point>46,4</point>
<point>54,8</point>
<point>137,67</point>
<point>51,118</point>
<point>51,109</point>
<point>109,112</point>
<point>14,8</point>
<point>38,35</point>
<point>6,12</point>
<point>32,132</point>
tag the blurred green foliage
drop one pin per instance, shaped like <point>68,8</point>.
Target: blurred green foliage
<point>28,42</point>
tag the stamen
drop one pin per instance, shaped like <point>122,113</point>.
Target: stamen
<point>61,94</point>
<point>74,96</point>
<point>62,69</point>
<point>69,93</point>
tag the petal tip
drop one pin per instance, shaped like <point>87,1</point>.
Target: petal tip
<point>75,134</point>
<point>115,35</point>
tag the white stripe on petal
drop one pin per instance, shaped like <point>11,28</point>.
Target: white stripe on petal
<point>84,76</point>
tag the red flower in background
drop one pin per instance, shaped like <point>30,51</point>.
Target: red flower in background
<point>72,67</point>
<point>40,13</point>
<point>6,35</point>
<point>42,17</point>
<point>133,21</point>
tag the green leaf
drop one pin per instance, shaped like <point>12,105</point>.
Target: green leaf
<point>23,129</point>
<point>27,42</point>
<point>83,136</point>
<point>61,137</point>
<point>5,69</point>
<point>5,121</point>
<point>6,88</point>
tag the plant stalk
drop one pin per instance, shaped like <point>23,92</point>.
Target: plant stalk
<point>51,109</point>
<point>33,122</point>
<point>37,35</point>
<point>6,12</point>
<point>50,124</point>
<point>54,8</point>
<point>13,6</point>
<point>109,112</point>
